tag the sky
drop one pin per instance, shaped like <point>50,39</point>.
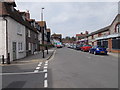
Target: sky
<point>71,18</point>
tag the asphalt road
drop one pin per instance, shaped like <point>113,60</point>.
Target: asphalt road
<point>76,69</point>
<point>67,68</point>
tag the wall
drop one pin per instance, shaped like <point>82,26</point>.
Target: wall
<point>2,37</point>
<point>13,36</point>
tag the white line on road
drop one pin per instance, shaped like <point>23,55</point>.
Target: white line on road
<point>46,75</point>
<point>36,71</point>
<point>45,67</point>
<point>21,73</point>
<point>37,67</point>
<point>45,70</point>
<point>45,83</point>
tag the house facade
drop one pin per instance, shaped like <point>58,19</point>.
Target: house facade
<point>43,29</point>
<point>12,32</point>
<point>108,36</point>
<point>57,37</point>
<point>49,36</point>
<point>20,36</point>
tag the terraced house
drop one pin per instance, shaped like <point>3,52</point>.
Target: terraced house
<point>19,35</point>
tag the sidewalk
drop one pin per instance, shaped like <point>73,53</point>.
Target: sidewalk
<point>37,57</point>
<point>114,54</point>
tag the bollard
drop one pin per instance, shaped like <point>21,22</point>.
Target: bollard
<point>47,50</point>
<point>3,60</point>
<point>8,58</point>
<point>43,53</point>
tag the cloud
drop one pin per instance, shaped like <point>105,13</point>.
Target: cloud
<point>70,18</point>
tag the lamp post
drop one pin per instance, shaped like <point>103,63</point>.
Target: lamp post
<point>42,31</point>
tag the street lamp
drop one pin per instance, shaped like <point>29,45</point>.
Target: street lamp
<point>42,31</point>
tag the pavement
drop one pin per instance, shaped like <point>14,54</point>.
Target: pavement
<point>37,57</point>
<point>114,54</point>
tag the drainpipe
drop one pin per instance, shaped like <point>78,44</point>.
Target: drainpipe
<point>6,36</point>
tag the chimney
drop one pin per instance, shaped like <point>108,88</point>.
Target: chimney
<point>86,32</point>
<point>81,33</point>
<point>27,15</point>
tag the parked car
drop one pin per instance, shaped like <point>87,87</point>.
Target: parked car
<point>86,47</point>
<point>98,50</point>
<point>78,47</point>
<point>59,45</point>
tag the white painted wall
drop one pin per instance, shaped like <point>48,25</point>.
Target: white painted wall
<point>2,37</point>
<point>13,36</point>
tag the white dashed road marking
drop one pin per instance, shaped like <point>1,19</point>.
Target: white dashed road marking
<point>45,83</point>
<point>36,71</point>
<point>45,70</point>
<point>45,67</point>
<point>46,75</point>
<point>37,68</point>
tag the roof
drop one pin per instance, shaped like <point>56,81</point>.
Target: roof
<point>11,2</point>
<point>5,10</point>
<point>100,30</point>
<point>56,34</point>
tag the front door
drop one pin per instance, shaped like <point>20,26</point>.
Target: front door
<point>14,50</point>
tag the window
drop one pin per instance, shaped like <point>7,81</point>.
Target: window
<point>116,43</point>
<point>19,30</point>
<point>118,28</point>
<point>20,46</point>
<point>28,33</point>
<point>29,46</point>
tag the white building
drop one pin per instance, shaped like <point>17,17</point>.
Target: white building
<point>12,32</point>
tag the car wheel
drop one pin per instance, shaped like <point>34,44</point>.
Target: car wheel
<point>95,53</point>
<point>89,51</point>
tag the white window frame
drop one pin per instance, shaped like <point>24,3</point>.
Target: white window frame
<point>118,28</point>
<point>20,46</point>
<point>19,30</point>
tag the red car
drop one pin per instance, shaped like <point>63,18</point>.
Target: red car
<point>86,47</point>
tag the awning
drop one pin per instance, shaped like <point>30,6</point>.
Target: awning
<point>109,36</point>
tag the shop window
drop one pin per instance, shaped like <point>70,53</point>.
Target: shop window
<point>116,43</point>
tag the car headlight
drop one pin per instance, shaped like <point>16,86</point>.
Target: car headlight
<point>97,49</point>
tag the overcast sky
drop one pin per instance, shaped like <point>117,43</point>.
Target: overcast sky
<point>71,18</point>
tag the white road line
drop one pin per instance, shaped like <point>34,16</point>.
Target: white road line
<point>45,70</point>
<point>37,68</point>
<point>39,65</point>
<point>21,73</point>
<point>45,83</point>
<point>46,75</point>
<point>45,67</point>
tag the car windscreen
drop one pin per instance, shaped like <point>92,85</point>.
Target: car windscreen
<point>101,47</point>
